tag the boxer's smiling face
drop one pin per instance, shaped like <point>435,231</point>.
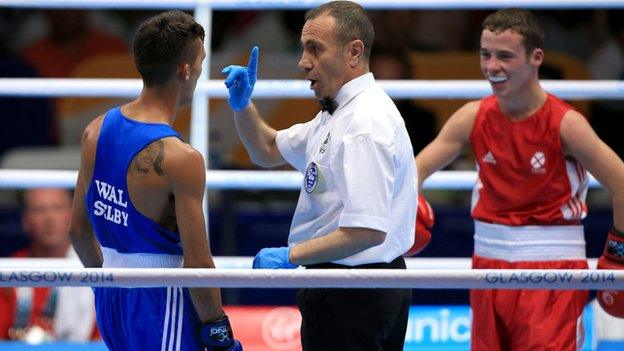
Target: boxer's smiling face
<point>505,62</point>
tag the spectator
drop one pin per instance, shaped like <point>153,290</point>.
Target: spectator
<point>39,314</point>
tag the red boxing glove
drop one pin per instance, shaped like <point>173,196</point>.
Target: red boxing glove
<point>424,221</point>
<point>612,301</point>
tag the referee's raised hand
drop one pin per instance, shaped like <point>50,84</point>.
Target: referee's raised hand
<point>240,81</point>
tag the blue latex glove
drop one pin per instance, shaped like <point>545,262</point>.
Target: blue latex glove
<point>218,336</point>
<point>273,258</point>
<point>240,81</point>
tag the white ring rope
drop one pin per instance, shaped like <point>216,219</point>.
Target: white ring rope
<point>215,179</point>
<point>278,89</point>
<point>319,278</point>
<point>229,262</point>
<point>306,4</point>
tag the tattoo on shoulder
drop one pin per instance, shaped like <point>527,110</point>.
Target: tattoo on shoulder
<point>151,157</point>
<point>159,158</point>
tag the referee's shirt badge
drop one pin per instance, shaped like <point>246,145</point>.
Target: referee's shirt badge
<point>311,177</point>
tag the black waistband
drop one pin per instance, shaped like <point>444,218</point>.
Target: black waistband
<point>397,263</point>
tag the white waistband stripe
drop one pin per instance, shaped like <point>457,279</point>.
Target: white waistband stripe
<point>529,243</point>
<point>114,259</point>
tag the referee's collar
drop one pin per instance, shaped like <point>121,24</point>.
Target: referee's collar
<point>352,88</point>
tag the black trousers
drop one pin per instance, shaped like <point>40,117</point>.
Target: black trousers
<point>354,319</point>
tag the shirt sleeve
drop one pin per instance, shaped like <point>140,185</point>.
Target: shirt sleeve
<point>364,174</point>
<point>292,143</point>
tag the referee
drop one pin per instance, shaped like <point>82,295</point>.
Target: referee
<point>357,205</point>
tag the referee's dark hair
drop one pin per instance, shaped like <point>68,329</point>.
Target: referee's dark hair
<point>352,22</point>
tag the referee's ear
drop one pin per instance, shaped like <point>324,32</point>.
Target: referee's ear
<point>356,52</point>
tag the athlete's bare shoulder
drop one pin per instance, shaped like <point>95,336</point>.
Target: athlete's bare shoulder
<point>182,155</point>
<point>181,148</point>
<point>469,110</point>
<point>460,124</point>
<point>577,134</point>
<point>168,157</point>
<point>87,154</point>
<point>92,131</point>
<point>183,166</point>
<point>89,139</point>
<point>473,105</point>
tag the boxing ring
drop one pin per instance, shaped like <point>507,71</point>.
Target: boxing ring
<point>235,272</point>
<point>291,180</point>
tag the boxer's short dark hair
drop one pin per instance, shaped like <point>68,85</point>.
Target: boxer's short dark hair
<point>520,21</point>
<point>163,42</point>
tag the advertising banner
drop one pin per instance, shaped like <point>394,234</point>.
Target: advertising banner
<point>430,328</point>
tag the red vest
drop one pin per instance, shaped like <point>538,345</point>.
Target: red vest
<point>524,178</point>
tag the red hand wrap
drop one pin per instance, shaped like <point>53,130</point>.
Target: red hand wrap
<point>424,221</point>
<point>612,301</point>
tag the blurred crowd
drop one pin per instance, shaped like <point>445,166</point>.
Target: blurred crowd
<point>409,45</point>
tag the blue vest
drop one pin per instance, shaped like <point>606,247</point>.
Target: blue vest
<point>116,222</point>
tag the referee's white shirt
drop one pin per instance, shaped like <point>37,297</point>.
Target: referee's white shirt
<point>359,171</point>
